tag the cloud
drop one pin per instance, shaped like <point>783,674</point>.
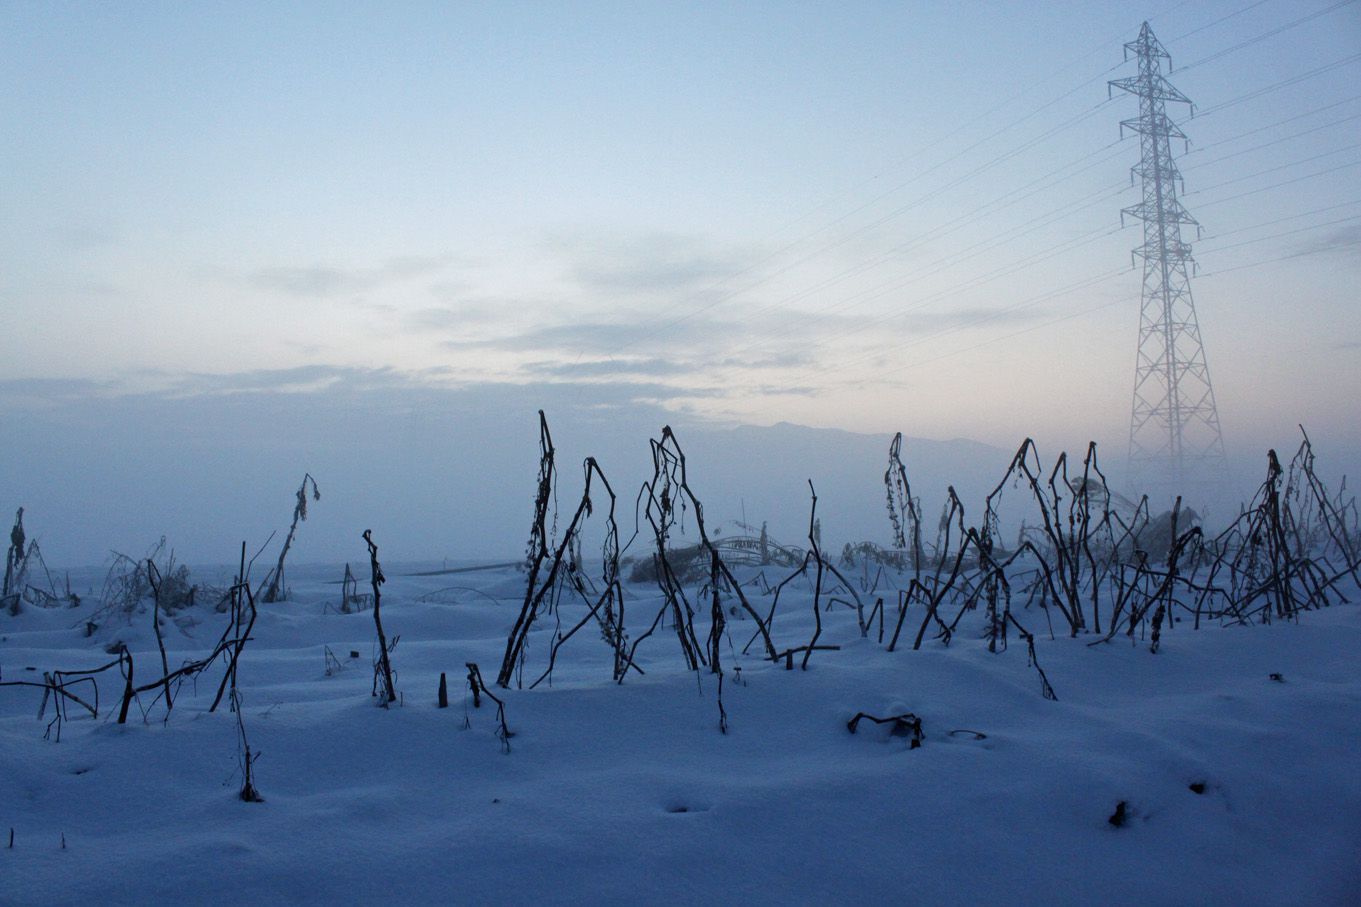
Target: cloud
<point>347,383</point>
<point>597,368</point>
<point>306,281</point>
<point>467,312</point>
<point>970,317</point>
<point>669,334</point>
<point>648,276</point>
<point>787,390</point>
<point>450,290</point>
<point>299,379</point>
<point>50,391</point>
<point>686,350</point>
<point>602,335</point>
<point>793,359</point>
<point>317,281</point>
<point>162,385</point>
<point>652,305</point>
<point>651,263</point>
<point>1342,240</point>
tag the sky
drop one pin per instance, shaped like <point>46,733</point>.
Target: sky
<point>219,220</point>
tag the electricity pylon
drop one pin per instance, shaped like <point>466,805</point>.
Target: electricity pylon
<point>1174,435</point>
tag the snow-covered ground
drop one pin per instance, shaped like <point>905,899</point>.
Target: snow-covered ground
<point>630,794</point>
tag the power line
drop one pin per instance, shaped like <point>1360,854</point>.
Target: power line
<point>660,329</point>
<point>1273,87</point>
<point>1260,189</point>
<point>1263,36</point>
<point>861,268</point>
<point>991,206</point>
<point>953,226</point>
<point>1281,220</point>
<point>1299,116</point>
<point>1085,283</point>
<point>1014,267</point>
<point>1002,105</point>
<point>1027,330</point>
<point>1222,19</point>
<point>1088,311</point>
<point>958,223</point>
<point>1195,367</point>
<point>1287,138</point>
<point>1302,254</point>
<point>1050,253</point>
<point>978,280</point>
<point>1248,242</point>
<point>897,282</point>
<point>1289,166</point>
<point>904,313</point>
<point>1091,281</point>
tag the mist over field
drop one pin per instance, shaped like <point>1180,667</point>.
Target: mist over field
<point>449,473</point>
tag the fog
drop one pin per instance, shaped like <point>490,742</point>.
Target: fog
<point>441,473</point>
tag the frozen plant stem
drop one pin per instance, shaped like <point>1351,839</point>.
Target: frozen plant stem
<point>384,663</point>
<point>277,588</point>
<point>248,792</point>
<point>817,584</point>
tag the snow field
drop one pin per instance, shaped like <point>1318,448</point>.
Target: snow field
<point>629,794</point>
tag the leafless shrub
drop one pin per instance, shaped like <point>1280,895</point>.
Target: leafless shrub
<point>128,585</point>
<point>81,687</point>
<point>689,564</point>
<point>22,563</point>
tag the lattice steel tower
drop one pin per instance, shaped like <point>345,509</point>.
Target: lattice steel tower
<point>1174,433</point>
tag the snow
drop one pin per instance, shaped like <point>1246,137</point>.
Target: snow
<point>629,793</point>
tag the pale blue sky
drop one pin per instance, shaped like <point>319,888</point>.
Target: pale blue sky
<point>871,216</point>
